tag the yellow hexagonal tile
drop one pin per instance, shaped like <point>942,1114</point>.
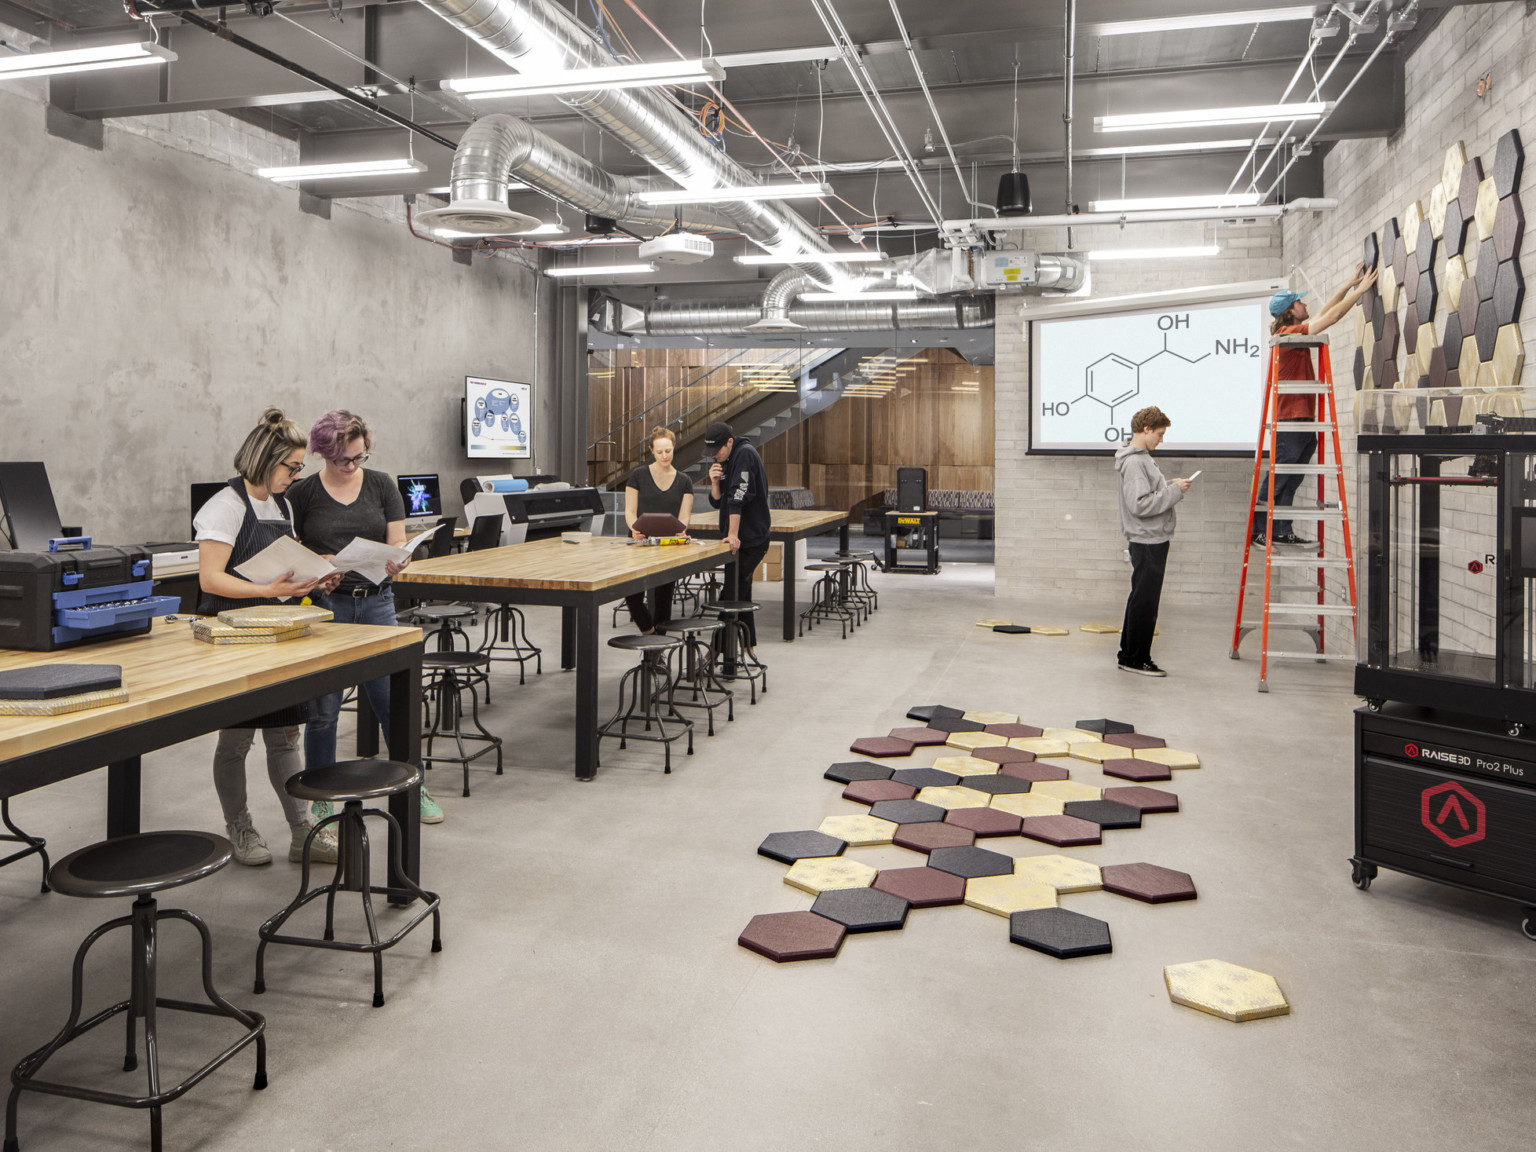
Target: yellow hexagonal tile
<point>1047,630</point>
<point>1467,363</point>
<point>1065,790</point>
<point>829,873</point>
<point>1508,356</point>
<point>1455,277</point>
<point>1423,349</point>
<point>1031,803</point>
<point>1072,735</point>
<point>1096,752</point>
<point>1450,169</point>
<point>1005,895</point>
<point>970,741</point>
<point>1061,872</point>
<point>1437,202</point>
<point>1358,327</point>
<point>1386,284</point>
<point>1413,216</point>
<point>1222,989</point>
<point>859,829</point>
<point>991,623</point>
<point>1487,208</point>
<point>1171,757</point>
<point>955,797</point>
<point>966,766</point>
<point>1039,745</point>
<point>991,717</point>
<point>1501,404</point>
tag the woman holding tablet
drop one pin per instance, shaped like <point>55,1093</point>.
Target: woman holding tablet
<point>656,487</point>
<point>330,509</point>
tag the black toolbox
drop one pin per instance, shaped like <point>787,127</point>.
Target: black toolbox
<point>51,600</point>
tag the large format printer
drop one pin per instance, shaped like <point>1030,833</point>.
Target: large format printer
<point>531,507</point>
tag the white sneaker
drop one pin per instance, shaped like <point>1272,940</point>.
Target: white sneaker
<point>321,851</point>
<point>250,848</point>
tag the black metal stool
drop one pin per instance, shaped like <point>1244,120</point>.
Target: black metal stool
<point>449,676</point>
<point>34,844</point>
<point>647,686</point>
<point>449,620</point>
<point>733,657</point>
<point>695,672</point>
<point>138,866</point>
<point>827,602</point>
<point>506,631</point>
<point>352,782</point>
<point>861,560</point>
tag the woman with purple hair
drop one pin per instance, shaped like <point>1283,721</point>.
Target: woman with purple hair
<point>330,509</point>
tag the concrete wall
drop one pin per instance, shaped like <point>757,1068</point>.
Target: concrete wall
<point>157,295</point>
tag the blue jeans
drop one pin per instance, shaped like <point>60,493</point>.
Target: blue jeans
<point>320,731</point>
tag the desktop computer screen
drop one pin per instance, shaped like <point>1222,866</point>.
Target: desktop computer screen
<point>31,518</point>
<point>202,492</point>
<point>421,496</point>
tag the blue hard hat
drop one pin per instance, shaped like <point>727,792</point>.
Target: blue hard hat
<point>1280,301</point>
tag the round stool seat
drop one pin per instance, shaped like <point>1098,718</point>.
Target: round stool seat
<point>644,643</point>
<point>453,659</point>
<point>443,612</point>
<point>829,566</point>
<point>857,554</point>
<point>689,627</point>
<point>353,780</point>
<point>141,863</point>
<point>731,606</point>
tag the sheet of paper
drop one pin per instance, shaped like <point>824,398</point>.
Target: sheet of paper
<point>285,554</point>
<point>368,557</point>
<point>420,538</point>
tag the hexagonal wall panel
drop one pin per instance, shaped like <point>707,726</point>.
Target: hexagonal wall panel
<point>1066,790</point>
<point>1454,233</point>
<point>1508,356</point>
<point>922,887</point>
<point>906,812</point>
<point>1487,207</point>
<point>1451,166</point>
<point>1059,932</point>
<point>1041,746</point>
<point>1226,990</point>
<point>1508,160</point>
<point>1169,757</point>
<point>850,770</point>
<point>984,821</point>
<point>1486,273</point>
<point>919,737</point>
<point>1508,295</point>
<point>925,777</point>
<point>787,847</point>
<point>1135,740</point>
<point>786,936</point>
<point>947,798</point>
<point>1062,873</point>
<point>927,837</point>
<point>1508,228</point>
<point>1371,252</point>
<point>1004,754</point>
<point>1466,311</point>
<point>818,876</point>
<point>970,862</point>
<point>1062,831</point>
<point>1434,214</point>
<point>1147,799</point>
<point>1104,813</point>
<point>1466,189</point>
<point>858,829</point>
<point>1132,769</point>
<point>881,746</point>
<point>998,785</point>
<point>923,713</point>
<point>1455,277</point>
<point>965,765</point>
<point>1487,333</point>
<point>1015,731</point>
<point>969,741</point>
<point>1469,362</point>
<point>862,909</point>
<point>873,791</point>
<point>1148,882</point>
<point>958,724</point>
<point>1412,217</point>
<point>1005,895</point>
<point>1028,804</point>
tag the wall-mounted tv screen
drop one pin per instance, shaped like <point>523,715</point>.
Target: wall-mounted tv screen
<point>1202,364</point>
<point>498,419</point>
<point>421,494</point>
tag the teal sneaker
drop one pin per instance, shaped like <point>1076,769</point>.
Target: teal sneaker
<point>431,811</point>
<point>320,809</point>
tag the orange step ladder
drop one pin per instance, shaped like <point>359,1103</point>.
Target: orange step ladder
<point>1308,603</point>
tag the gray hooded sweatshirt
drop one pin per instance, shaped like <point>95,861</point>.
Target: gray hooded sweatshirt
<point>1146,499</point>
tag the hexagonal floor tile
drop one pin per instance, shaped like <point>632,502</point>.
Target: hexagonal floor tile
<point>850,770</point>
<point>1148,882</point>
<point>859,830</point>
<point>945,724</point>
<point>927,837</point>
<point>906,812</point>
<point>1226,990</point>
<point>923,713</point>
<point>1062,873</point>
<point>968,741</point>
<point>1035,771</point>
<point>1004,755</point>
<point>881,746</point>
<point>1062,831</point>
<point>862,909</point>
<point>1040,746</point>
<point>947,798</point>
<point>1072,735</point>
<point>1013,629</point>
<point>874,791</point>
<point>1028,804</point>
<point>1105,813</point>
<point>984,821</point>
<point>1067,790</point>
<point>922,887</point>
<point>1168,757</point>
<point>1147,799</point>
<point>998,785</point>
<point>925,778</point>
<point>971,861</point>
<point>982,717</point>
<point>1060,933</point>
<point>919,737</point>
<point>1129,768</point>
<point>787,847</point>
<point>1015,731</point>
<point>1135,740</point>
<point>1049,630</point>
<point>818,876</point>
<point>1005,895</point>
<point>786,936</point>
<point>1105,727</point>
<point>964,766</point>
<point>1096,752</point>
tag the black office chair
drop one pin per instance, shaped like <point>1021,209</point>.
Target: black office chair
<point>484,533</point>
<point>443,540</point>
<point>506,630</point>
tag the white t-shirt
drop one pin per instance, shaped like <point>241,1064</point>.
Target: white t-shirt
<point>221,517</point>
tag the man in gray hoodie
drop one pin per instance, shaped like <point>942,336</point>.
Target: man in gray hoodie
<point>1147,519</point>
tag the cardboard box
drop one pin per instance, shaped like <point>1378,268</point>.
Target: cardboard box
<point>772,566</point>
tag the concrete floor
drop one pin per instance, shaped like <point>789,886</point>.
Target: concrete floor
<point>591,994</point>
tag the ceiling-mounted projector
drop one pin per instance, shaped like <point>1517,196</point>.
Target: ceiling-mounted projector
<point>678,248</point>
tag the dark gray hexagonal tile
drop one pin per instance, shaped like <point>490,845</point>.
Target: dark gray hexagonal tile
<point>1456,224</point>
<point>1424,246</point>
<point>926,712</point>
<point>862,909</point>
<point>785,936</point>
<point>1508,228</point>
<point>1378,316</point>
<point>906,811</point>
<point>848,771</point>
<point>1410,280</point>
<point>1060,933</point>
<point>1487,331</point>
<point>1399,254</point>
<point>998,785</point>
<point>1466,192</point>
<point>1104,813</point>
<point>1450,338</point>
<point>954,724</point>
<point>1466,315</point>
<point>787,847</point>
<point>1487,273</point>
<point>1508,296</point>
<point>1358,368</point>
<point>1013,732</point>
<point>1370,256</point>
<point>925,778</point>
<point>1428,297</point>
<point>1508,160</point>
<point>1411,322</point>
<point>970,862</point>
<point>1389,375</point>
<point>1106,727</point>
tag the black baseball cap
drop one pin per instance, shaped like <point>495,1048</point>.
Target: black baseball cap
<point>717,434</point>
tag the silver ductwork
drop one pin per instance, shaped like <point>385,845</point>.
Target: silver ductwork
<point>782,291</point>
<point>734,317</point>
<point>537,36</point>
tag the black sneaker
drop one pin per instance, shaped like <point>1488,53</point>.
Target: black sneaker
<point>1260,542</point>
<point>1145,668</point>
<point>1292,538</point>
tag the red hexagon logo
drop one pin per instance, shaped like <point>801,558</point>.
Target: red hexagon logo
<point>1453,814</point>
<point>1410,750</point>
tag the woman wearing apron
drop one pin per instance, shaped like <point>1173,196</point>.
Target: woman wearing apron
<point>233,526</point>
<point>656,487</point>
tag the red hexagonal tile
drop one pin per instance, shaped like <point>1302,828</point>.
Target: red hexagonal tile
<point>1147,799</point>
<point>1014,731</point>
<point>785,936</point>
<point>881,746</point>
<point>1063,831</point>
<point>1149,882</point>
<point>984,821</point>
<point>873,791</point>
<point>1135,740</point>
<point>919,737</point>
<point>922,887</point>
<point>1003,755</point>
<point>927,837</point>
<point>1035,773</point>
<point>1133,769</point>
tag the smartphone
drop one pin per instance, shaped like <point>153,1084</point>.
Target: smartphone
<point>1196,476</point>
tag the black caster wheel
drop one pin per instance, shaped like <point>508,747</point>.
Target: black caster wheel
<point>1528,925</point>
<point>1362,873</point>
<point>1514,728</point>
<point>1374,705</point>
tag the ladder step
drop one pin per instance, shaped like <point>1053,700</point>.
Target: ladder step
<point>1337,657</point>
<point>1307,469</point>
<point>1306,562</point>
<point>1301,387</point>
<point>1294,341</point>
<point>1303,426</point>
<point>1312,609</point>
<point>1300,512</point>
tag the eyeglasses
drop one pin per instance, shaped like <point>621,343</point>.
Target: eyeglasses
<point>293,469</point>
<point>360,459</point>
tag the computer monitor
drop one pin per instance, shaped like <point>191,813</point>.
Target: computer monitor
<point>201,494</point>
<point>31,517</point>
<point>421,495</point>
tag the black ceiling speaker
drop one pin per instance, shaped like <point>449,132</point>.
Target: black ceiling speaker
<point>600,225</point>
<point>1013,194</point>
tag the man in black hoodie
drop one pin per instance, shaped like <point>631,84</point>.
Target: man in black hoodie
<point>738,486</point>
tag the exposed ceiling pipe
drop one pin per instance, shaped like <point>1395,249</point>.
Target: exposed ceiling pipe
<point>736,316</point>
<point>1066,100</point>
<point>933,110</point>
<point>1150,216</point>
<point>1258,137</point>
<point>782,291</point>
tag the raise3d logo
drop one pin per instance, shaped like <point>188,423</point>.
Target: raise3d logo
<point>1453,814</point>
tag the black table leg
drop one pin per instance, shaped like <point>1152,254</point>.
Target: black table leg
<point>123,797</point>
<point>367,727</point>
<point>842,536</point>
<point>585,619</point>
<point>789,590</point>
<point>567,637</point>
<point>405,745</point>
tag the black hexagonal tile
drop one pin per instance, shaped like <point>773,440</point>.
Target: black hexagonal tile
<point>1359,368</point>
<point>1371,253</point>
<point>1487,269</point>
<point>787,847</point>
<point>1467,313</point>
<point>1378,314</point>
<point>1390,239</point>
<point>1428,296</point>
<point>1410,280</point>
<point>1466,191</point>
<point>1107,727</point>
<point>1411,322</point>
<point>925,778</point>
<point>954,724</point>
<point>1456,224</point>
<point>862,909</point>
<point>1508,295</point>
<point>1059,932</point>
<point>970,862</point>
<point>907,811</point>
<point>1104,813</point>
<point>1508,228</point>
<point>848,771</point>
<point>1450,338</point>
<point>927,712</point>
<point>998,785</point>
<point>1424,246</point>
<point>1437,368</point>
<point>1487,332</point>
<point>1508,160</point>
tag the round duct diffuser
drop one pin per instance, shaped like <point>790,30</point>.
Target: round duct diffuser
<point>775,324</point>
<point>477,218</point>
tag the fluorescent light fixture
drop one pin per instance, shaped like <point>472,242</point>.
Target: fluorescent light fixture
<point>600,270</point>
<point>874,296</point>
<point>398,166</point>
<point>1209,20</point>
<point>1206,117</point>
<point>1157,203</point>
<point>777,56</point>
<point>549,229</point>
<point>131,55</point>
<point>1154,253</point>
<point>745,192</point>
<point>813,258</point>
<point>588,79</point>
<point>1160,149</point>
